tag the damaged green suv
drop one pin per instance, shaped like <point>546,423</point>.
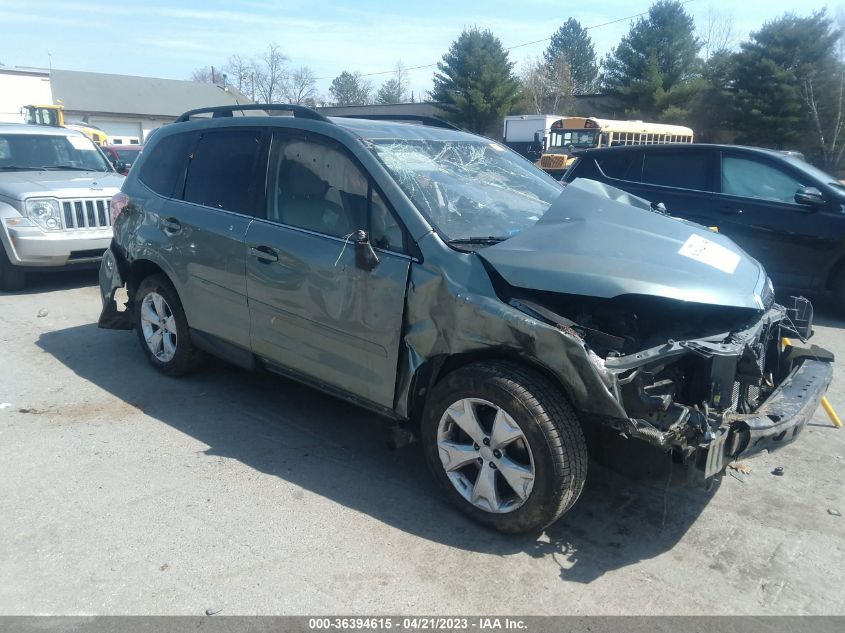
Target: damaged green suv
<point>440,279</point>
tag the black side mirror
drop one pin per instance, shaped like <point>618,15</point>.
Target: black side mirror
<point>365,257</point>
<point>120,166</point>
<point>809,197</point>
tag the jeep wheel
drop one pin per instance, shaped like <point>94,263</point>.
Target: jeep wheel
<point>163,329</point>
<point>505,445</point>
<point>11,277</point>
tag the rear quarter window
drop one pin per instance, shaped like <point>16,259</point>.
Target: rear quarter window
<point>164,165</point>
<point>222,171</point>
<point>621,165</point>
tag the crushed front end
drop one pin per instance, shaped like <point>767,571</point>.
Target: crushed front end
<point>746,387</point>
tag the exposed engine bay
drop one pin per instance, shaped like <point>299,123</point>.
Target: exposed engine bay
<point>685,373</point>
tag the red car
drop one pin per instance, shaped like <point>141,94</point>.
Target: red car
<point>122,156</point>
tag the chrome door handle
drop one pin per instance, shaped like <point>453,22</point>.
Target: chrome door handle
<point>264,253</point>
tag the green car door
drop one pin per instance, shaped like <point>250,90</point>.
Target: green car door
<point>314,310</point>
<point>207,228</point>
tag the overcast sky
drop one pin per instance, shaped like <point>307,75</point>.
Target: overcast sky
<point>162,38</point>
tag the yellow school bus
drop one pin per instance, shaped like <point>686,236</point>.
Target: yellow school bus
<point>570,133</point>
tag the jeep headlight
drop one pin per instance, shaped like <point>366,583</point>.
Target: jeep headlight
<point>45,212</point>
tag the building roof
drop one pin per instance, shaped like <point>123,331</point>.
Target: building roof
<point>125,94</point>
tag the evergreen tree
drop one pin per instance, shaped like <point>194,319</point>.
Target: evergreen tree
<point>653,71</point>
<point>389,92</point>
<point>711,114</point>
<point>789,87</point>
<point>350,89</point>
<point>395,89</point>
<point>475,82</point>
<point>572,45</point>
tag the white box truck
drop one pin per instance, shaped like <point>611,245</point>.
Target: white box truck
<point>528,134</point>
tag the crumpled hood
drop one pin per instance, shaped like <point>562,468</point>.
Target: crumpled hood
<point>598,241</point>
<point>19,185</point>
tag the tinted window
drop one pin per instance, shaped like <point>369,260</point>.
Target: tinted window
<point>316,186</point>
<point>685,170</point>
<point>222,171</point>
<point>621,165</point>
<point>750,178</point>
<point>164,166</point>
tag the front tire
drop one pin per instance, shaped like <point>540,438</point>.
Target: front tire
<point>163,329</point>
<point>505,445</point>
<point>12,278</point>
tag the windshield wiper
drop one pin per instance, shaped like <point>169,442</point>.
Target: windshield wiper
<point>66,168</point>
<point>477,240</point>
<point>46,168</point>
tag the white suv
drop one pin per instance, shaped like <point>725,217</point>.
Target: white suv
<point>55,187</point>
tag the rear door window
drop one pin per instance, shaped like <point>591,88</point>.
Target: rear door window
<point>223,172</point>
<point>751,178</point>
<point>164,167</point>
<point>621,165</point>
<point>683,170</point>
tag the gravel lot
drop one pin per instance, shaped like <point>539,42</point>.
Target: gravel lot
<point>125,492</point>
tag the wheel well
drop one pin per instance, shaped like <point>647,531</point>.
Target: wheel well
<point>436,369</point>
<point>139,270</point>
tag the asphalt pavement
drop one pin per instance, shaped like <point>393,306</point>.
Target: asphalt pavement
<point>126,492</point>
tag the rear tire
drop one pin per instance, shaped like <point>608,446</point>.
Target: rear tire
<point>163,328</point>
<point>12,278</point>
<point>542,442</point>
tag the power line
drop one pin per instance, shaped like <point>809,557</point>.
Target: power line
<point>510,48</point>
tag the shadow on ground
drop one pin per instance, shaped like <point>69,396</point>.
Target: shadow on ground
<point>339,451</point>
<point>53,280</point>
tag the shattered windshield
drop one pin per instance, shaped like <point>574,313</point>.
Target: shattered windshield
<point>471,191</point>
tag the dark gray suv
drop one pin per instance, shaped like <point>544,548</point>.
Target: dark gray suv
<point>440,279</point>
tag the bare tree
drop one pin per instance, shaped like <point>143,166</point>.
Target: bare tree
<point>240,71</point>
<point>400,74</point>
<point>270,75</point>
<point>534,83</point>
<point>824,95</point>
<point>301,86</point>
<point>548,86</point>
<point>561,87</point>
<point>202,75</point>
<point>717,33</point>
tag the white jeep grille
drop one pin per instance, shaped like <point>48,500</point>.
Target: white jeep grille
<point>89,213</point>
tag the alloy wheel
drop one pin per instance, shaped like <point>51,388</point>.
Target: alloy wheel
<point>159,327</point>
<point>486,455</point>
